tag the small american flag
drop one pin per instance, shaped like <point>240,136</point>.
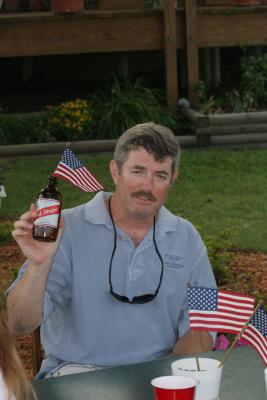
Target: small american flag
<point>256,333</point>
<point>71,169</point>
<point>218,310</point>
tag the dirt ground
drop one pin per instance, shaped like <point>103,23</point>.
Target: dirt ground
<point>249,275</point>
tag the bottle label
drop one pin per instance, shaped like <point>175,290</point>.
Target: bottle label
<point>48,212</point>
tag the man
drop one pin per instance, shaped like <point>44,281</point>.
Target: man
<point>113,289</point>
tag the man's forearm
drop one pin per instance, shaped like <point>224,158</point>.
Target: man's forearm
<point>185,346</point>
<point>25,301</point>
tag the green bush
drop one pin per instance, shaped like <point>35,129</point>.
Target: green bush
<point>6,228</point>
<point>220,255</point>
<point>121,105</point>
<point>250,95</point>
<point>254,78</point>
<point>207,103</point>
<point>16,129</point>
<point>239,102</point>
<point>106,115</point>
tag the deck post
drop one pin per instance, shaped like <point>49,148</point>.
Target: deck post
<point>171,70</point>
<point>192,49</point>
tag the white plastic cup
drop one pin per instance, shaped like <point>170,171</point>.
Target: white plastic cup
<point>209,376</point>
<point>265,374</point>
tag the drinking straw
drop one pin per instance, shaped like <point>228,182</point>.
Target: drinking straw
<point>239,335</point>
<point>195,350</point>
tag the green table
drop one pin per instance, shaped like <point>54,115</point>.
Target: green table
<point>242,379</point>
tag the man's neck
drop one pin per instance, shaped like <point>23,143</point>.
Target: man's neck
<point>135,228</point>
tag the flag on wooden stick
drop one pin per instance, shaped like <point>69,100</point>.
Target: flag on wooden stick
<point>71,169</point>
<point>218,310</point>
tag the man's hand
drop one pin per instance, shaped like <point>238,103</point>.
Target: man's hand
<point>185,346</point>
<point>36,251</point>
<point>25,301</point>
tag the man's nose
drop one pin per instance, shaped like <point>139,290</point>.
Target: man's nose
<point>147,182</point>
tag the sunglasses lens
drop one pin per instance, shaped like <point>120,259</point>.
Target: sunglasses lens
<point>124,299</point>
<point>145,298</point>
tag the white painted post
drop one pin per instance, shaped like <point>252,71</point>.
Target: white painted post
<point>2,193</point>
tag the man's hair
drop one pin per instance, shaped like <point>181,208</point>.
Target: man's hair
<point>155,139</point>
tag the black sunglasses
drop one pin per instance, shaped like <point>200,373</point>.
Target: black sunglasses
<point>145,298</point>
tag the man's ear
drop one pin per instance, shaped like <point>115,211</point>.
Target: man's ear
<point>114,171</point>
<point>174,176</point>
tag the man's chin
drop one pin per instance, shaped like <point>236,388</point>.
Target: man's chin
<point>144,212</point>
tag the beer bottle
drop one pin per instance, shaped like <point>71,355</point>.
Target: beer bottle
<point>48,204</point>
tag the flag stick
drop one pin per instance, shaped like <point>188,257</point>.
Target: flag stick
<point>239,335</point>
<point>195,349</point>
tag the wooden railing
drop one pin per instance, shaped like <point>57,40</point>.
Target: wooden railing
<point>191,27</point>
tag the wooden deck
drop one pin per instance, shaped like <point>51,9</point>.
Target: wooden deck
<point>94,31</point>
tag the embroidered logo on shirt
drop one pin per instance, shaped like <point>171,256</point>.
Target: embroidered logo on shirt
<point>173,261</point>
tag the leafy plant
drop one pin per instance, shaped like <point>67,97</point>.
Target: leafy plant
<point>254,77</point>
<point>70,120</point>
<point>220,254</point>
<point>28,129</point>
<point>249,95</point>
<point>239,103</point>
<point>6,228</point>
<point>122,104</point>
<point>207,102</point>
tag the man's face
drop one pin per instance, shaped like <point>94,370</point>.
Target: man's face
<point>142,184</point>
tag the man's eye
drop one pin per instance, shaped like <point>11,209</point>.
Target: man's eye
<point>162,177</point>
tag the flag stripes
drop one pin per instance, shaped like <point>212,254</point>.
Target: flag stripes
<point>256,340</point>
<point>256,333</point>
<point>71,169</point>
<point>218,310</point>
<point>77,179</point>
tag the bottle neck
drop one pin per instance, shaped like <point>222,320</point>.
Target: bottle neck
<point>52,182</point>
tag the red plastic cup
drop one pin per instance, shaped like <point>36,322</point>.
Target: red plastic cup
<point>174,387</point>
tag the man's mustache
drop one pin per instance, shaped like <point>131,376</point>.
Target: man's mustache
<point>146,195</point>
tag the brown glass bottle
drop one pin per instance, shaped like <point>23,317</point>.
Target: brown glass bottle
<point>48,206</point>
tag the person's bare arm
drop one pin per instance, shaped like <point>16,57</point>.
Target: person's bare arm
<point>25,301</point>
<point>185,346</point>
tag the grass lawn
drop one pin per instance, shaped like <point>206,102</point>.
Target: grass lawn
<point>219,191</point>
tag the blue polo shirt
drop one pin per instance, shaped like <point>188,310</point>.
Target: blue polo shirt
<point>83,323</point>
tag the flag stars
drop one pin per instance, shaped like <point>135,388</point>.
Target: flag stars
<point>260,321</point>
<point>71,160</point>
<point>202,298</point>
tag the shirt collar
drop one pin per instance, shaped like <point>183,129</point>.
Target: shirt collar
<point>166,221</point>
<point>96,211</point>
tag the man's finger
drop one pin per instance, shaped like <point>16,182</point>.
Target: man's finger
<point>23,224</point>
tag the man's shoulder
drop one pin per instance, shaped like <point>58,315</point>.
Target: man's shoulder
<point>180,227</point>
<point>93,210</point>
<point>170,219</point>
<point>68,212</point>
